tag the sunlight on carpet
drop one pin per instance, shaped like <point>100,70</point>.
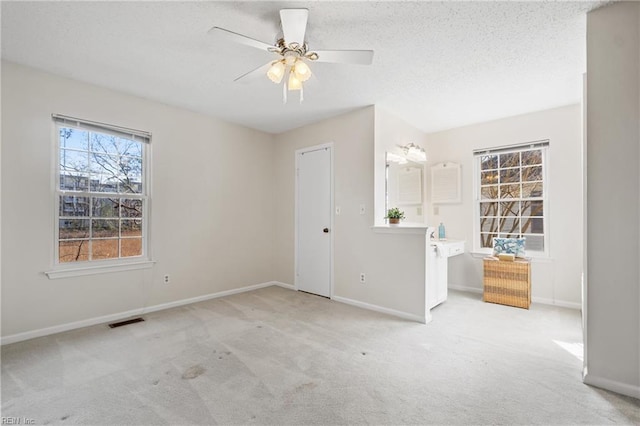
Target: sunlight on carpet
<point>575,349</point>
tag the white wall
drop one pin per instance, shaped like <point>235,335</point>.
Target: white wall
<point>554,280</point>
<point>393,264</point>
<point>613,193</point>
<point>212,204</point>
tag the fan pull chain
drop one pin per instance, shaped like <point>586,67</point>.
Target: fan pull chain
<point>284,92</point>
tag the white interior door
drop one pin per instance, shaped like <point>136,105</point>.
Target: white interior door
<point>313,231</point>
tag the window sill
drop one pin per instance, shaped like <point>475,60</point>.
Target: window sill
<point>535,258</point>
<point>98,269</point>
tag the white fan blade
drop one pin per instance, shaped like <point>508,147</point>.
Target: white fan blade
<point>239,38</point>
<point>360,57</point>
<point>294,25</point>
<point>261,71</point>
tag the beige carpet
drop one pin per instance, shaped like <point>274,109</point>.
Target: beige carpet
<point>275,356</point>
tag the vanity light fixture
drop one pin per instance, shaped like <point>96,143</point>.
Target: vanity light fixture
<point>395,158</point>
<point>414,153</point>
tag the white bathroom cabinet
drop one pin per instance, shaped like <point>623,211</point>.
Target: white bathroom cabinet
<point>438,254</point>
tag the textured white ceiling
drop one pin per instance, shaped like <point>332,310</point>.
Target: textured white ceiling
<point>438,65</point>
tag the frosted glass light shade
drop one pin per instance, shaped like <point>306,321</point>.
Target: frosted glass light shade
<point>294,83</point>
<point>302,70</point>
<point>416,154</point>
<point>276,72</point>
<point>290,59</point>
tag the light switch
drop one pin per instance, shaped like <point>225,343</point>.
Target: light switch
<point>337,211</point>
<point>362,208</point>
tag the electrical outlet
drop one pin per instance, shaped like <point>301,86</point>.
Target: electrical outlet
<point>363,277</point>
<point>166,279</point>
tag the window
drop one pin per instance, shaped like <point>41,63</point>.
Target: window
<point>101,192</point>
<point>511,196</point>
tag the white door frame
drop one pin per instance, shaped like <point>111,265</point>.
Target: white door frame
<point>328,145</point>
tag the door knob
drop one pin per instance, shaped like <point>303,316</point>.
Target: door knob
<point>325,230</point>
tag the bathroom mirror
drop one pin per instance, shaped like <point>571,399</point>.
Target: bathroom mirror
<point>405,187</point>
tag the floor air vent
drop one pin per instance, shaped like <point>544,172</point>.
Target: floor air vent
<point>126,322</point>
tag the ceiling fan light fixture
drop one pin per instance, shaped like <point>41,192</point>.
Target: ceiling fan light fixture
<point>294,83</point>
<point>290,58</point>
<point>293,52</point>
<point>276,72</point>
<point>302,70</point>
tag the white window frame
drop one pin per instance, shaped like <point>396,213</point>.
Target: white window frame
<point>542,145</point>
<point>88,267</point>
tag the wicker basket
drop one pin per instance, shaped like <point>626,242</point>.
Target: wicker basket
<point>507,283</point>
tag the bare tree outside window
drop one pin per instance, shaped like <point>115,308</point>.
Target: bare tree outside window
<point>101,196</point>
<point>512,202</point>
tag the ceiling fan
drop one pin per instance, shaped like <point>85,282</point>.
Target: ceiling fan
<point>293,52</point>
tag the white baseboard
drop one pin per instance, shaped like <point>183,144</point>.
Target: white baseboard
<point>612,385</point>
<point>363,305</point>
<point>204,297</point>
<point>382,309</point>
<point>561,303</point>
<point>465,288</point>
<point>283,285</point>
<point>541,300</point>
<point>19,337</point>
